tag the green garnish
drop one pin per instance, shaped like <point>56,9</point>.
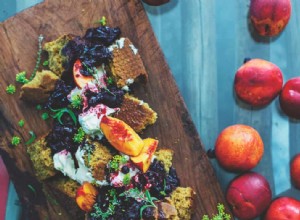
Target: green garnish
<point>32,138</point>
<point>32,189</point>
<point>91,71</point>
<point>116,162</point>
<point>15,140</point>
<point>79,136</point>
<point>46,63</point>
<point>10,89</point>
<point>163,192</point>
<point>45,116</point>
<point>110,80</point>
<point>126,179</point>
<point>141,196</point>
<point>76,101</point>
<point>102,21</point>
<point>21,123</point>
<point>38,59</point>
<point>60,112</point>
<point>113,201</point>
<point>150,202</point>
<point>38,107</point>
<point>221,214</point>
<point>21,77</point>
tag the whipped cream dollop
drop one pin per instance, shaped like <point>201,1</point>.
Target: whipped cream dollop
<point>64,162</point>
<point>90,120</point>
<point>118,44</point>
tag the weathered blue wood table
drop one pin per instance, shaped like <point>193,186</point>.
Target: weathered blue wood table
<point>204,43</point>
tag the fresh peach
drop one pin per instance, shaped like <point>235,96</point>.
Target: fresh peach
<point>249,195</point>
<point>258,82</point>
<point>295,170</point>
<point>290,98</point>
<point>121,136</point>
<point>86,196</point>
<point>79,79</point>
<point>283,208</point>
<point>269,17</point>
<point>143,160</point>
<point>239,148</point>
<point>156,2</point>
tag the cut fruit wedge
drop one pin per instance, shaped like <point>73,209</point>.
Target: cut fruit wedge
<point>86,196</point>
<point>143,160</point>
<point>80,79</point>
<point>121,136</point>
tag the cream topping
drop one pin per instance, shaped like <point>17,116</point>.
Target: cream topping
<point>90,120</point>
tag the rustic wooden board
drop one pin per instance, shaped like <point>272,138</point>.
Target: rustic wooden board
<point>174,127</point>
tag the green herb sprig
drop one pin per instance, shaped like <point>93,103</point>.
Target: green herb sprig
<point>21,123</point>
<point>79,136</point>
<point>139,195</point>
<point>15,140</point>
<point>110,80</point>
<point>113,202</point>
<point>32,138</point>
<point>21,77</point>
<point>116,162</point>
<point>76,101</point>
<point>38,107</point>
<point>150,202</point>
<point>163,192</point>
<point>46,63</point>
<point>60,112</point>
<point>32,189</point>
<point>102,21</point>
<point>221,214</point>
<point>38,59</point>
<point>45,116</point>
<point>10,89</point>
<point>126,179</point>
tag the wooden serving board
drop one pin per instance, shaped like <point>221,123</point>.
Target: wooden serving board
<point>174,127</point>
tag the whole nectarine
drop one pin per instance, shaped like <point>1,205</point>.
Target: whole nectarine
<point>249,195</point>
<point>258,82</point>
<point>295,170</point>
<point>290,98</point>
<point>239,148</point>
<point>269,17</point>
<point>283,208</point>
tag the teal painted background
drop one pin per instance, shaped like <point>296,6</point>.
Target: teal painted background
<point>205,42</point>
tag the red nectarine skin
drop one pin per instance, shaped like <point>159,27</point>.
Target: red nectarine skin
<point>283,208</point>
<point>249,195</point>
<point>290,98</point>
<point>269,17</point>
<point>80,79</point>
<point>86,196</point>
<point>295,170</point>
<point>239,148</point>
<point>143,160</point>
<point>121,136</point>
<point>258,82</point>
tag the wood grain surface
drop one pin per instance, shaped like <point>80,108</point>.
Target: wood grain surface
<point>174,128</point>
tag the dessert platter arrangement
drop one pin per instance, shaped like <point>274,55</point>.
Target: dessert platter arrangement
<point>88,129</point>
<point>93,125</point>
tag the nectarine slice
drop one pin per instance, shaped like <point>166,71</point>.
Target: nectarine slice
<point>121,136</point>
<point>80,79</point>
<point>143,160</point>
<point>86,196</point>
